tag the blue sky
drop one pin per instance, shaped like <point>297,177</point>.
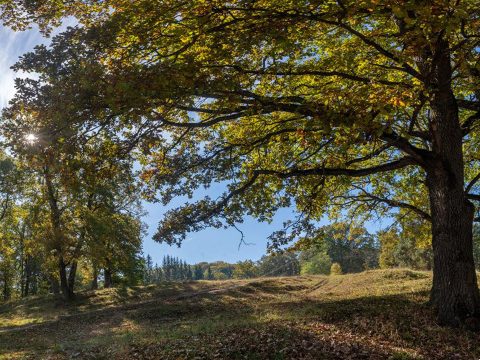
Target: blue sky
<point>208,245</point>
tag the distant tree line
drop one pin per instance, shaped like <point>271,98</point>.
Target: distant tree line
<point>174,269</point>
<point>354,249</point>
<point>337,248</point>
<point>26,267</point>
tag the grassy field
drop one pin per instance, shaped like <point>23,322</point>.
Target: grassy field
<point>372,315</point>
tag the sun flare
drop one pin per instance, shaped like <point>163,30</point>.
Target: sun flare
<point>31,138</point>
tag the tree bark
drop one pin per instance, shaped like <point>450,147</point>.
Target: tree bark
<point>28,271</point>
<point>455,292</point>
<point>107,274</point>
<point>95,278</point>
<point>67,292</point>
<point>71,278</point>
<point>6,287</point>
<point>54,285</point>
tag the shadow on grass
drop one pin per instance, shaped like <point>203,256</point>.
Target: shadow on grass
<point>242,324</point>
<point>26,312</point>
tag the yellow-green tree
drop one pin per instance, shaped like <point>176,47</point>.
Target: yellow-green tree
<point>245,270</point>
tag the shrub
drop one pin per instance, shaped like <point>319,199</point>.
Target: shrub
<point>336,269</point>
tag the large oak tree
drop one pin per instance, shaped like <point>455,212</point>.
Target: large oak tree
<point>363,105</point>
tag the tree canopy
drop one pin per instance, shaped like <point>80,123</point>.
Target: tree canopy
<point>334,107</point>
<point>325,118</point>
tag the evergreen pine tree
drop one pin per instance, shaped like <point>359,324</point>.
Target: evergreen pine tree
<point>209,273</point>
<point>189,273</point>
<point>148,276</point>
<point>197,272</point>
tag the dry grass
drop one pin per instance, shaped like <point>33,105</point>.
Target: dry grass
<point>372,315</point>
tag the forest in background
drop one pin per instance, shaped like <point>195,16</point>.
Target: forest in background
<point>340,248</point>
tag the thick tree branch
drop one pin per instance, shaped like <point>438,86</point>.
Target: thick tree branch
<point>467,126</point>
<point>401,163</point>
<point>396,203</point>
<point>468,104</point>
<point>258,105</point>
<point>472,183</point>
<point>473,197</point>
<point>421,156</point>
<point>403,65</point>
<point>340,74</point>
<point>323,171</point>
<point>369,156</point>
<point>320,17</point>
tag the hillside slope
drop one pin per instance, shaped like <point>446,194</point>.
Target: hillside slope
<point>372,315</point>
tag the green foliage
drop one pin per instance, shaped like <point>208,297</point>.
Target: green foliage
<point>336,269</point>
<point>197,272</point>
<point>317,264</point>
<point>80,206</point>
<point>20,14</point>
<point>221,270</point>
<point>349,245</point>
<point>343,109</point>
<point>174,269</point>
<point>245,270</point>
<point>389,241</point>
<point>152,274</point>
<point>208,275</point>
<point>405,247</point>
<point>283,264</point>
<point>312,103</point>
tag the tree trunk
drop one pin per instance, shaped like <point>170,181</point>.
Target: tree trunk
<point>107,274</point>
<point>6,287</point>
<point>55,218</point>
<point>67,291</point>
<point>455,292</point>
<point>26,286</point>
<point>95,278</point>
<point>62,272</point>
<point>34,280</point>
<point>54,285</point>
<point>71,278</point>
<point>27,276</point>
